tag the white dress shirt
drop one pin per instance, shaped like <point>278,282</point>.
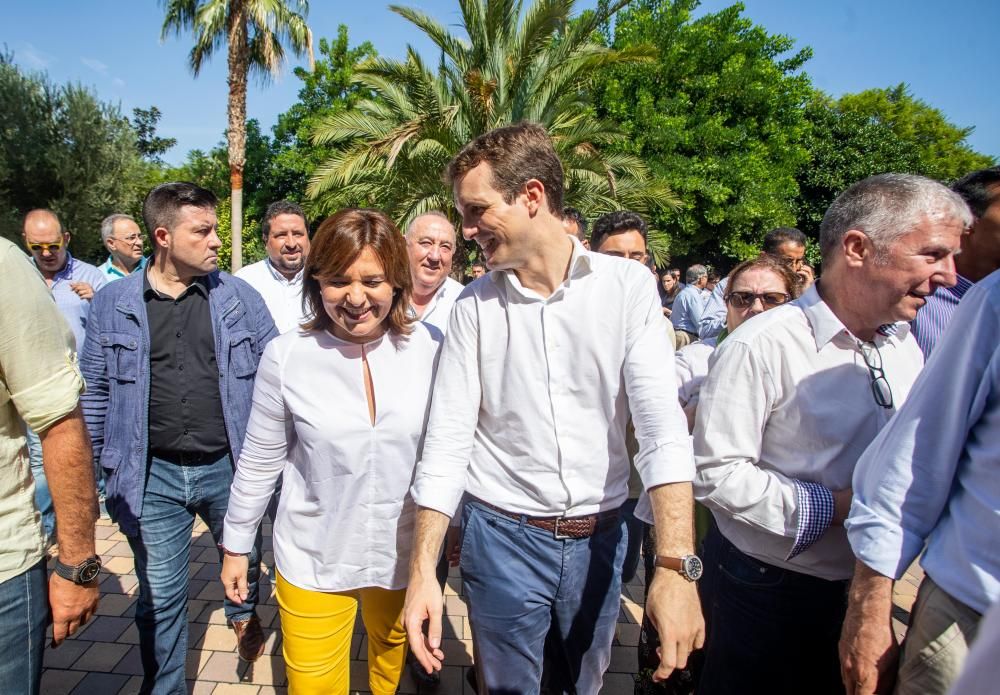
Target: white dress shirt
<point>282,296</point>
<point>345,520</point>
<point>692,368</point>
<point>786,411</point>
<point>533,394</point>
<point>439,310</point>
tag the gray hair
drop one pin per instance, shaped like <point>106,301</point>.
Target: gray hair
<point>695,273</point>
<point>108,224</point>
<point>886,207</point>
<point>429,213</point>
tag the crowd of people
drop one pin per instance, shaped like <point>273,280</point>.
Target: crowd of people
<point>777,446</point>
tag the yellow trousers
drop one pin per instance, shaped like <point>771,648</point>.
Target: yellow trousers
<point>316,631</point>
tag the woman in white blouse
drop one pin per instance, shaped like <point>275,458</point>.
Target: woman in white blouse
<point>339,407</point>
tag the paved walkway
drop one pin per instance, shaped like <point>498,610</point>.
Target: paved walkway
<point>103,659</point>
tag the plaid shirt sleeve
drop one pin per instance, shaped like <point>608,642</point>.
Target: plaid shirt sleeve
<point>815,504</point>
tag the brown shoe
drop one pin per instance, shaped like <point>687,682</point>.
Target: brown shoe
<point>249,638</point>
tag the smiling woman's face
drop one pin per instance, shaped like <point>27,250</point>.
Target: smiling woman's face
<point>358,300</point>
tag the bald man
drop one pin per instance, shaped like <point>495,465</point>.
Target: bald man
<point>430,244</point>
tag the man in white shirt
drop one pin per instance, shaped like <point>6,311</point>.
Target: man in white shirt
<point>430,244</point>
<point>791,401</point>
<point>543,364</point>
<point>278,278</point>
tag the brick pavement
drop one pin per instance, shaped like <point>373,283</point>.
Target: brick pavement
<point>103,659</point>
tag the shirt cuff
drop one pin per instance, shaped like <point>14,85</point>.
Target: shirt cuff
<point>815,507</point>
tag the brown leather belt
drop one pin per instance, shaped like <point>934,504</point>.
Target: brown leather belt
<point>562,527</point>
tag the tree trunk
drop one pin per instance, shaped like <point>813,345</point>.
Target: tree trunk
<point>239,60</point>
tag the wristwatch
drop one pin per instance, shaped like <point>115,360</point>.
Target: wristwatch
<point>689,566</point>
<point>84,573</point>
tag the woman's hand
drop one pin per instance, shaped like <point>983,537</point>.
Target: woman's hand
<point>234,577</point>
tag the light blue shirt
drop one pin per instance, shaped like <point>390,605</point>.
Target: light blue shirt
<point>74,309</point>
<point>111,271</point>
<point>713,319</point>
<point>933,474</point>
<point>688,307</point>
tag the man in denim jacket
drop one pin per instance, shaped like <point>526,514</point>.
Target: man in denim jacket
<point>170,359</point>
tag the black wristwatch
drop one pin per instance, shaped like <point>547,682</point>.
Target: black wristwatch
<point>689,566</point>
<point>84,573</point>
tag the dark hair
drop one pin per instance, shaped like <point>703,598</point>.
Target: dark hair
<point>616,222</point>
<point>166,200</point>
<point>479,264</point>
<point>793,283</point>
<point>338,242</point>
<point>281,207</point>
<point>975,189</point>
<point>776,238</point>
<point>581,221</point>
<point>516,154</point>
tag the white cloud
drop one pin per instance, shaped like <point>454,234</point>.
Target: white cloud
<point>95,65</point>
<point>118,82</point>
<point>33,57</point>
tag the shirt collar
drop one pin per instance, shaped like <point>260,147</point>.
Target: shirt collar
<point>199,285</point>
<point>110,268</point>
<point>581,263</point>
<point>67,270</point>
<point>825,324</point>
<point>281,278</point>
<point>962,285</point>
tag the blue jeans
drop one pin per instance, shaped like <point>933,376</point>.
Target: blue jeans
<point>523,583</point>
<point>174,495</point>
<point>637,529</point>
<point>768,629</point>
<point>43,499</point>
<point>24,615</point>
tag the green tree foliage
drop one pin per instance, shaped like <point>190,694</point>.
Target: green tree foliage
<point>150,145</point>
<point>941,146</point>
<point>61,148</point>
<point>719,116</point>
<point>518,63</point>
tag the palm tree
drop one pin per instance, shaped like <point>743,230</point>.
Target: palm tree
<point>254,32</point>
<point>391,149</point>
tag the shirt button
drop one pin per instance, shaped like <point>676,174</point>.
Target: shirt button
<point>178,334</point>
<point>185,430</point>
<point>184,400</point>
<point>180,368</point>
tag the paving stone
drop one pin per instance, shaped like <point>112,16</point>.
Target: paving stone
<point>267,670</point>
<point>628,635</point>
<point>224,667</point>
<point>100,683</point>
<point>118,565</point>
<point>132,686</point>
<point>455,605</point>
<point>104,628</point>
<point>618,684</point>
<point>131,663</point>
<point>271,690</point>
<point>212,591</point>
<point>119,549</point>
<point>623,660</point>
<point>102,532</point>
<point>234,689</point>
<point>196,661</point>
<point>59,682</point>
<point>201,687</point>
<point>115,604</point>
<point>217,638</point>
<point>65,654</point>
<point>101,656</point>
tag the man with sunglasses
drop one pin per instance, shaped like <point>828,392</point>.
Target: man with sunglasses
<point>790,404</point>
<point>73,284</point>
<point>124,241</point>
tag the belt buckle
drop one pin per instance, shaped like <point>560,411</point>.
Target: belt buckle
<point>555,530</point>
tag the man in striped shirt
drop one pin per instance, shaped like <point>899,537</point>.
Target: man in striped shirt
<point>980,255</point>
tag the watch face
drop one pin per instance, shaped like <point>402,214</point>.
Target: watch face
<point>692,567</point>
<point>89,572</point>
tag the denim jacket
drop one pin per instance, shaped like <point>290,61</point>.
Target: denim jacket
<point>115,365</point>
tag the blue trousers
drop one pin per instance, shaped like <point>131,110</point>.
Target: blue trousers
<point>768,629</point>
<point>174,495</point>
<point>43,498</point>
<point>525,585</point>
<point>24,615</point>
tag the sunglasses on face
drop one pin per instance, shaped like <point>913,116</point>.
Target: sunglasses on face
<point>40,247</point>
<point>744,300</point>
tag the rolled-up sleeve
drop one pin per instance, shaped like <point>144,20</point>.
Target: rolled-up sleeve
<point>37,349</point>
<point>904,479</point>
<point>440,476</point>
<point>665,454</point>
<point>736,400</point>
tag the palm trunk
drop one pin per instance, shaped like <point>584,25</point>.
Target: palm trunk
<point>237,133</point>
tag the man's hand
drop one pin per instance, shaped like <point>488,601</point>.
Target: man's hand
<point>675,611</point>
<point>83,289</point>
<point>424,603</point>
<point>869,652</point>
<point>805,272</point>
<point>234,577</point>
<point>72,606</point>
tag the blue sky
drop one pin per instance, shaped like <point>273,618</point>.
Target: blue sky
<point>944,51</point>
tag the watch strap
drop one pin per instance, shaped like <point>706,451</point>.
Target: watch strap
<point>73,573</point>
<point>671,563</point>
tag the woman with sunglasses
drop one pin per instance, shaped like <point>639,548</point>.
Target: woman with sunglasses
<point>753,287</point>
<point>339,407</point>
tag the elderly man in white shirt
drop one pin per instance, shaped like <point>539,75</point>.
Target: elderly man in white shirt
<point>543,363</point>
<point>430,244</point>
<point>278,278</point>
<point>792,399</point>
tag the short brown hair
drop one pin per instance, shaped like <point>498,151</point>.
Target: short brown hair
<point>777,265</point>
<point>516,154</point>
<point>338,242</point>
